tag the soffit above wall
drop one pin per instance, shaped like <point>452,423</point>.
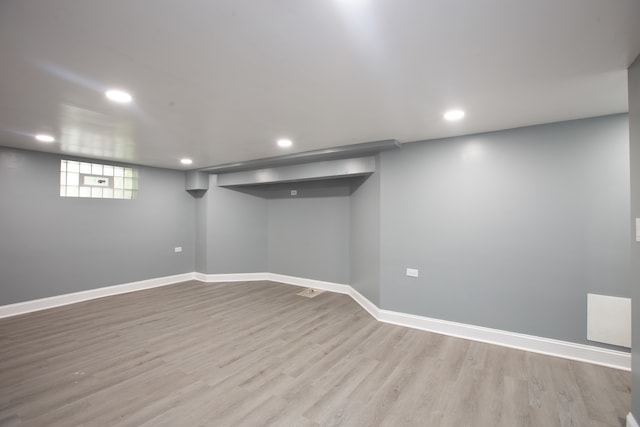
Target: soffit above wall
<point>348,151</point>
<point>330,169</point>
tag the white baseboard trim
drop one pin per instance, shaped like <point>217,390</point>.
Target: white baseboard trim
<point>231,277</point>
<point>310,283</point>
<point>369,307</point>
<point>58,300</point>
<point>548,346</point>
<point>273,277</point>
<point>631,422</point>
<point>567,350</point>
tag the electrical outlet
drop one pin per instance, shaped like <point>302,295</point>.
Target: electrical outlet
<point>177,249</point>
<point>412,272</point>
<point>294,192</point>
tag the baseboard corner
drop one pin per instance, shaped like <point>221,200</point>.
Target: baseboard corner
<point>550,347</point>
<point>309,283</point>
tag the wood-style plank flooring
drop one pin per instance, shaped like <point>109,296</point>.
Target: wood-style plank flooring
<point>256,354</point>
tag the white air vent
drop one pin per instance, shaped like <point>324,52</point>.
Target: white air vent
<point>609,320</point>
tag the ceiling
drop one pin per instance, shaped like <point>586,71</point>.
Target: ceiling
<point>220,81</point>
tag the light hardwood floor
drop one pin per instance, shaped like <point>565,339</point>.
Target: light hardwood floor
<point>255,353</point>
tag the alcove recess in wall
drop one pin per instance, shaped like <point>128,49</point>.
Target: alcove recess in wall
<point>319,173</point>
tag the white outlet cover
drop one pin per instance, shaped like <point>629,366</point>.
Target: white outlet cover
<point>294,192</point>
<point>177,249</point>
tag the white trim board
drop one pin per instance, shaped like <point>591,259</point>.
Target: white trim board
<point>65,299</point>
<point>231,277</point>
<point>548,346</point>
<point>551,347</point>
<point>273,277</point>
<point>310,283</point>
<point>564,349</point>
<point>567,350</point>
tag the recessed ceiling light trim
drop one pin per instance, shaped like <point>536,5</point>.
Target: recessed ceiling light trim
<point>452,115</point>
<point>284,143</point>
<point>43,137</point>
<point>120,96</point>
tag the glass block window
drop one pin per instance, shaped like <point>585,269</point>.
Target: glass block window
<point>82,179</point>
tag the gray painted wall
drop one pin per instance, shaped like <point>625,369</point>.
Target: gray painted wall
<point>51,245</point>
<point>236,230</point>
<point>365,237</point>
<point>309,237</point>
<point>261,228</point>
<point>201,230</point>
<point>511,229</point>
<point>634,142</point>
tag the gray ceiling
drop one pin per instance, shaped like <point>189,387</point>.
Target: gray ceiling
<point>220,81</point>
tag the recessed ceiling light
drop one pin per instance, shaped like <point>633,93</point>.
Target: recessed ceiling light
<point>454,115</point>
<point>284,143</point>
<point>186,161</point>
<point>118,96</point>
<point>45,138</point>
